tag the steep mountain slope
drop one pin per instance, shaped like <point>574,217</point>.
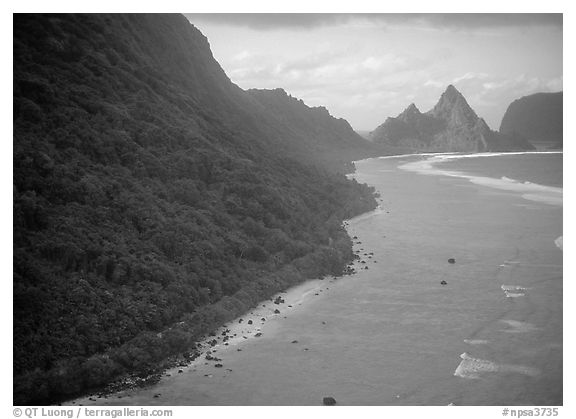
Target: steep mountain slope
<point>153,199</point>
<point>331,140</point>
<point>452,125</point>
<point>537,117</point>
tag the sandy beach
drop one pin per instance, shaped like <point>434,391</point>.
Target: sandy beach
<point>409,328</point>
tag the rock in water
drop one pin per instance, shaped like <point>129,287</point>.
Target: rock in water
<point>328,401</point>
<point>451,260</point>
<point>443,282</point>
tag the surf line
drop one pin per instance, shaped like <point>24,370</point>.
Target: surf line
<point>530,191</point>
<point>559,242</point>
<point>473,368</point>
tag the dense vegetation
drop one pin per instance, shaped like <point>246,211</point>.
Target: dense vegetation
<point>330,141</point>
<point>536,117</point>
<point>151,201</point>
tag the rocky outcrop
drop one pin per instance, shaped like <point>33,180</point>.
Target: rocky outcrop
<point>536,117</point>
<point>452,125</point>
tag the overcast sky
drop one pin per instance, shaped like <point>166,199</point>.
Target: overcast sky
<point>365,68</point>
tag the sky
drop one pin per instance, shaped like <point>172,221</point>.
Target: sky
<point>366,67</point>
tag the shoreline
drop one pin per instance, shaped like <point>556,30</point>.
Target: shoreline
<point>320,346</point>
<point>259,322</point>
<point>551,195</point>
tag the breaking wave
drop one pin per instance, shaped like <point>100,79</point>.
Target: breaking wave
<point>473,368</point>
<point>558,242</point>
<point>530,191</point>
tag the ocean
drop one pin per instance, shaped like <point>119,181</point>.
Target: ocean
<point>456,300</point>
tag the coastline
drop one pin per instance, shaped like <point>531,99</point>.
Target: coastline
<point>258,324</point>
<point>547,194</point>
<point>255,324</point>
<point>359,332</point>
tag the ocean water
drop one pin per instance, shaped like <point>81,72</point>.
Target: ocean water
<point>410,328</point>
<point>543,168</point>
<point>536,175</point>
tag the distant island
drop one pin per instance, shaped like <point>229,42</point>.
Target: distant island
<point>538,118</point>
<point>452,125</point>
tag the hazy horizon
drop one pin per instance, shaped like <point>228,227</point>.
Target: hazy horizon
<point>367,67</point>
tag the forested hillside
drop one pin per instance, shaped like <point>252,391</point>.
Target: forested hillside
<point>328,140</point>
<point>150,195</point>
<point>538,118</point>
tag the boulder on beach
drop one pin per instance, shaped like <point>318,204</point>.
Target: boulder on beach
<point>294,341</point>
<point>249,321</point>
<point>276,311</point>
<point>443,282</point>
<point>451,260</point>
<point>328,401</point>
<point>218,365</point>
<point>258,335</point>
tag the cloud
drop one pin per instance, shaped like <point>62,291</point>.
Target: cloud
<point>445,21</point>
<point>434,83</point>
<point>470,76</point>
<point>489,95</point>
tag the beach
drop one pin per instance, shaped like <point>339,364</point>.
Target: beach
<point>409,327</point>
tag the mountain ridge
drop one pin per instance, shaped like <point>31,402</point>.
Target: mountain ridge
<point>451,125</point>
<point>333,138</point>
<point>154,200</point>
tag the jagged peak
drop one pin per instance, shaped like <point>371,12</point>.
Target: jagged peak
<point>410,113</point>
<point>451,89</point>
<point>451,94</point>
<point>411,109</point>
<point>453,102</point>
